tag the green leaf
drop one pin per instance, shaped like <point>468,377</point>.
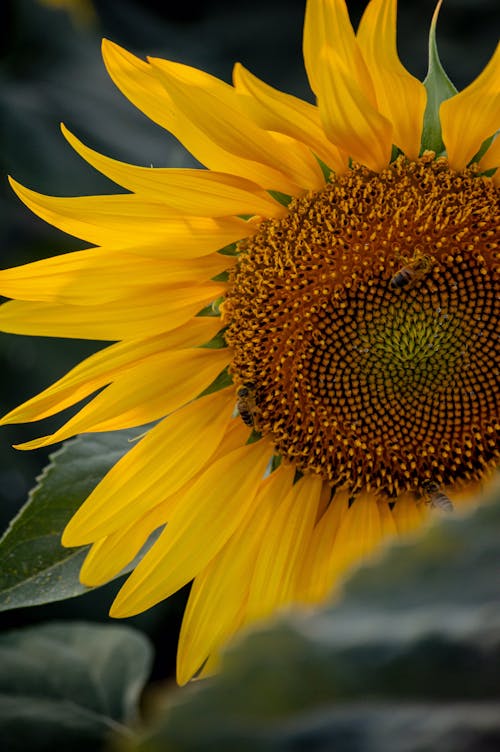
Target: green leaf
<point>439,87</point>
<point>34,567</point>
<point>70,686</point>
<point>409,659</point>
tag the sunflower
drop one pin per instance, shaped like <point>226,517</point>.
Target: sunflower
<point>310,323</point>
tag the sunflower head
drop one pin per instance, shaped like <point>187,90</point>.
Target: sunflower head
<point>311,321</point>
<point>365,321</point>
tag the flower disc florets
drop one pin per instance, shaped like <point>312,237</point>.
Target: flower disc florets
<point>366,323</point>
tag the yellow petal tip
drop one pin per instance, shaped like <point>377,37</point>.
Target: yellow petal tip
<point>120,608</point>
<point>74,535</point>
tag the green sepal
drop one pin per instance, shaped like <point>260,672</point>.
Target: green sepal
<point>327,171</point>
<point>223,380</point>
<point>439,88</point>
<point>254,436</point>
<point>211,309</point>
<point>216,305</point>
<point>229,250</point>
<point>395,153</point>
<point>221,277</point>
<point>282,198</point>
<point>217,342</point>
<point>483,149</point>
<point>276,462</point>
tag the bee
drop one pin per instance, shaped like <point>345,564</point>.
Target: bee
<point>246,404</point>
<point>437,499</point>
<point>409,275</point>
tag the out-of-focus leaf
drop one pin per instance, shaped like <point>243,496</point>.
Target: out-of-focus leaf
<point>69,686</point>
<point>34,567</point>
<point>408,660</point>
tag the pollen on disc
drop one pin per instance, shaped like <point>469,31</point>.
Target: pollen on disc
<point>359,377</point>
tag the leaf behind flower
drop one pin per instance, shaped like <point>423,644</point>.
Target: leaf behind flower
<point>34,567</point>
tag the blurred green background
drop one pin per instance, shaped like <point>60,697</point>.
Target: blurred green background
<point>51,71</point>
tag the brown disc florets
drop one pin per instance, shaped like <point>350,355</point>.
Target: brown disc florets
<point>366,323</point>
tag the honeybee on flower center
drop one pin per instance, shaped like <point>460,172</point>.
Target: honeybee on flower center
<point>246,403</point>
<point>408,275</point>
<point>437,499</point>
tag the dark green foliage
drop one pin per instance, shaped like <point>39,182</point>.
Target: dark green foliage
<point>34,567</point>
<point>70,686</point>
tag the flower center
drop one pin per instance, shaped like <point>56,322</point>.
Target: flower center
<point>364,326</point>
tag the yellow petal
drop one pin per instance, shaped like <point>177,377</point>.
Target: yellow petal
<point>327,25</point>
<point>409,515</point>
<point>97,276</point>
<point>211,666</point>
<point>282,551</point>
<point>129,318</point>
<point>219,592</point>
<point>132,223</point>
<point>472,115</point>
<point>104,366</point>
<point>401,98</point>
<point>208,515</point>
<point>340,79</point>
<point>491,160</point>
<point>315,580</point>
<point>145,392</point>
<point>474,493</point>
<point>366,525</point>
<point>108,556</point>
<point>192,237</point>
<point>313,178</point>
<point>348,117</point>
<point>214,105</point>
<point>194,192</point>
<point>236,435</point>
<point>284,113</point>
<point>155,468</point>
<point>140,82</point>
